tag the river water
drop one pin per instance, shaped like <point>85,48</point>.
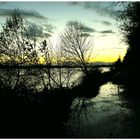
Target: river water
<point>106,115</point>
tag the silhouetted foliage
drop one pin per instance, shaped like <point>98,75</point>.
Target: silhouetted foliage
<point>92,82</point>
<point>15,45</point>
<point>130,27</point>
<point>36,101</point>
<point>130,24</point>
<point>118,65</point>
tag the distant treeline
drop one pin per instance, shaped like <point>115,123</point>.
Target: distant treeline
<point>49,66</point>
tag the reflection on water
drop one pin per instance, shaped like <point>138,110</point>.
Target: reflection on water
<point>104,69</point>
<point>40,78</point>
<point>105,115</point>
<point>109,114</point>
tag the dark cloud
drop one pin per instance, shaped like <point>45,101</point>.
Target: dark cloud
<point>106,32</point>
<point>106,23</point>
<point>3,2</point>
<point>103,8</point>
<point>33,14</point>
<point>88,29</point>
<point>81,26</point>
<point>47,35</point>
<point>73,3</point>
<point>85,35</point>
<point>49,27</point>
<point>34,30</point>
<point>27,13</point>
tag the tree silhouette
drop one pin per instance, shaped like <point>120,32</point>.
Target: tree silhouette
<point>16,48</point>
<point>130,27</point>
<point>76,44</point>
<point>15,45</point>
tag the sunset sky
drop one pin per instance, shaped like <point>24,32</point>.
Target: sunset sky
<point>49,19</point>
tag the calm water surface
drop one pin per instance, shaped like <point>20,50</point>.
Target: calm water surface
<point>106,115</point>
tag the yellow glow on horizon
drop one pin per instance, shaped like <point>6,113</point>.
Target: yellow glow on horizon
<point>104,59</point>
<point>41,60</point>
<point>109,56</point>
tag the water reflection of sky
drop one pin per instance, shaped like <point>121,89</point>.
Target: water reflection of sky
<point>102,116</point>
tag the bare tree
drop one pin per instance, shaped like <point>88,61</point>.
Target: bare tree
<point>47,55</point>
<point>76,44</point>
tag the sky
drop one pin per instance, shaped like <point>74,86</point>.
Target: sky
<point>49,19</point>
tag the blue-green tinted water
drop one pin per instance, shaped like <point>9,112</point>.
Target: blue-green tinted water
<point>106,115</point>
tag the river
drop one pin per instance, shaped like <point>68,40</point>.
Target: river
<point>106,115</point>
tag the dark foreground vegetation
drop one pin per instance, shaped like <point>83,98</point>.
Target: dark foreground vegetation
<point>35,102</point>
<point>25,114</point>
<point>130,28</point>
<point>29,112</point>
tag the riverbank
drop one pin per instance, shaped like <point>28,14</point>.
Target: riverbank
<point>46,114</point>
<point>25,112</point>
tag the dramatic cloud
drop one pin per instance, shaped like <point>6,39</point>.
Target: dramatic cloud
<point>106,32</point>
<point>106,23</point>
<point>35,30</point>
<point>103,8</point>
<point>88,29</point>
<point>81,26</point>
<point>48,27</point>
<point>73,3</point>
<point>3,2</point>
<point>27,13</point>
<point>85,35</point>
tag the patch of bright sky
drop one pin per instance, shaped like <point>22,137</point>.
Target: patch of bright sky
<point>107,46</point>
